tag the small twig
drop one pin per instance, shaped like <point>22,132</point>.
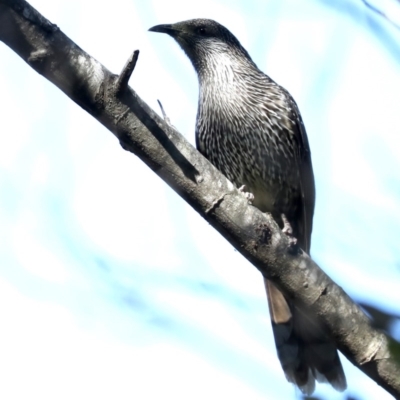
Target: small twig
<point>381,13</point>
<point>123,79</point>
<point>164,114</point>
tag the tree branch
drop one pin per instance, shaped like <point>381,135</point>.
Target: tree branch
<point>254,234</point>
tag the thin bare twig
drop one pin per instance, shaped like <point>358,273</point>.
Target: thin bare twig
<point>164,114</point>
<point>381,13</point>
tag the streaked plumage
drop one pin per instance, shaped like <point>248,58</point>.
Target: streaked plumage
<point>250,128</point>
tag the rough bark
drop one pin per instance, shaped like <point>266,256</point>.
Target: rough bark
<point>141,131</point>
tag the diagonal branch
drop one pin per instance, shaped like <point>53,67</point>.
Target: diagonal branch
<point>141,131</point>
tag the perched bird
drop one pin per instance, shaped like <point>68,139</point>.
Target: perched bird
<point>250,128</point>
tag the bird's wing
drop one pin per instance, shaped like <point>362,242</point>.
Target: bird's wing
<point>306,176</point>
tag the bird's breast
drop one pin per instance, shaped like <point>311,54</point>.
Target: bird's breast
<point>250,142</point>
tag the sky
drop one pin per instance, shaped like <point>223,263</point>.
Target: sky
<point>110,285</point>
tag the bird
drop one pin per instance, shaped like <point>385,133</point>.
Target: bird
<point>250,128</point>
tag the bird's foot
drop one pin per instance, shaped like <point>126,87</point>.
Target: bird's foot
<point>248,196</point>
<point>288,231</point>
<point>287,228</point>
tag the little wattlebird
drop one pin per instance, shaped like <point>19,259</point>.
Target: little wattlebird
<point>250,128</point>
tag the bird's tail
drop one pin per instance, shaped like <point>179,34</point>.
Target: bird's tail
<point>305,350</point>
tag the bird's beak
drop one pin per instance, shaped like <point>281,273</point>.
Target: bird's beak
<point>167,28</point>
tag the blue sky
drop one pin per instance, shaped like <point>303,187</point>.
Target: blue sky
<point>110,285</point>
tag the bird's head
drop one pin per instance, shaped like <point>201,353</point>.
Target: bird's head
<point>202,39</point>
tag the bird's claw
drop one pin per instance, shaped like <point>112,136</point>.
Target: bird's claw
<point>288,231</point>
<point>287,228</point>
<point>248,196</point>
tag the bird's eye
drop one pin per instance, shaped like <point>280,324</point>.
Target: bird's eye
<point>201,30</point>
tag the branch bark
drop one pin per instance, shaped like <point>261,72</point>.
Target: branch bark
<point>141,131</point>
